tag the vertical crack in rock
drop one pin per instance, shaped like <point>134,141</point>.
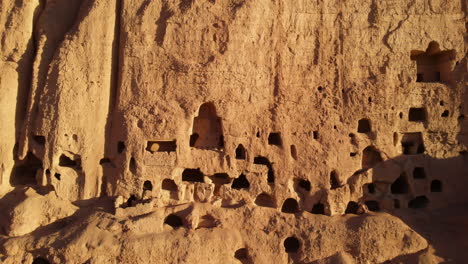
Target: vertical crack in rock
<point>372,18</point>
<point>164,15</point>
<point>318,41</point>
<point>114,90</point>
<point>390,32</point>
<point>277,70</point>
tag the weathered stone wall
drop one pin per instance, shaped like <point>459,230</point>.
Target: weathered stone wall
<point>248,108</point>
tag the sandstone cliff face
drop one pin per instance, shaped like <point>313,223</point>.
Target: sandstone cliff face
<point>251,131</point>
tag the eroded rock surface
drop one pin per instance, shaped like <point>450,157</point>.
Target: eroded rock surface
<point>236,131</point>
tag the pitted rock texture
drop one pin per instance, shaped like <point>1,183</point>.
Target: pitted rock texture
<point>234,131</point>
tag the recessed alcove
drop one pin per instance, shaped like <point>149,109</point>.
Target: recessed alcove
<point>433,65</point>
<point>370,188</point>
<point>334,182</point>
<point>265,200</point>
<point>290,206</point>
<point>373,205</point>
<point>65,161</point>
<point>305,185</point>
<point>120,146</point>
<point>419,173</point>
<point>275,139</point>
<point>240,182</point>
<point>352,208</point>
<point>264,161</point>
<point>400,185</point>
<point>318,208</point>
<point>419,202</point>
<point>242,254</point>
<point>293,152</point>
<point>240,152</point>
<point>169,185</point>
<point>370,157</point>
<point>174,221</point>
<point>291,245</point>
<point>161,146</point>
<point>192,175</point>
<point>147,186</point>
<point>436,186</point>
<point>364,126</point>
<point>221,178</point>
<point>41,140</point>
<point>40,260</point>
<point>207,132</point>
<point>412,143</point>
<point>417,114</point>
<point>24,171</point>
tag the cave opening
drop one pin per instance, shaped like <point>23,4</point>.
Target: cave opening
<point>400,185</point>
<point>352,208</point>
<point>24,171</point>
<point>240,152</point>
<point>373,205</point>
<point>433,65</point>
<point>318,208</point>
<point>334,183</point>
<point>221,178</point>
<point>264,161</point>
<point>290,206</point>
<point>291,245</point>
<point>419,202</point>
<point>241,254</point>
<point>169,185</point>
<point>275,139</point>
<point>207,132</point>
<point>265,200</point>
<point>120,146</point>
<point>174,221</point>
<point>192,175</point>
<point>370,157</point>
<point>412,143</point>
<point>419,173</point>
<point>147,186</point>
<point>240,182</point>
<point>417,114</point>
<point>305,185</point>
<point>161,146</point>
<point>364,126</point>
<point>293,152</point>
<point>436,186</point>
<point>40,260</point>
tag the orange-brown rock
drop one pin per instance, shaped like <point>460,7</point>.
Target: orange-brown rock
<point>233,131</point>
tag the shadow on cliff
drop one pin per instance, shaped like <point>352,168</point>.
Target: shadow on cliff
<point>437,213</point>
<point>428,194</point>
